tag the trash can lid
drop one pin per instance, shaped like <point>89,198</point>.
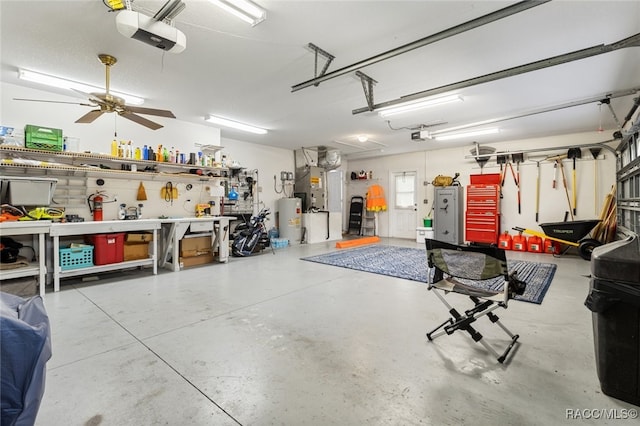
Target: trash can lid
<point>618,261</point>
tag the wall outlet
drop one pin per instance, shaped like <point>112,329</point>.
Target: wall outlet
<point>425,201</point>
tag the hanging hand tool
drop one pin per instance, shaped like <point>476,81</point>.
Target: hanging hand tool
<point>518,158</point>
<point>501,159</point>
<point>537,189</point>
<point>595,152</point>
<point>515,180</point>
<point>555,174</point>
<point>564,182</point>
<point>574,153</point>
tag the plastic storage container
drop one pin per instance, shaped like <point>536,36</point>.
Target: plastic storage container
<point>520,243</point>
<point>551,247</point>
<point>505,241</point>
<point>535,244</point>
<point>76,257</point>
<point>108,248</point>
<point>614,299</point>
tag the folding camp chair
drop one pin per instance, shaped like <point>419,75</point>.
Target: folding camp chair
<point>459,269</point>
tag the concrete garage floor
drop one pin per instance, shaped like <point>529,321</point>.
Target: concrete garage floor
<point>276,340</point>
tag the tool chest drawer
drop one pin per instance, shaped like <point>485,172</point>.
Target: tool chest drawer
<point>482,227</point>
<point>483,198</point>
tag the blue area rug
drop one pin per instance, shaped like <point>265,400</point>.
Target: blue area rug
<point>411,264</point>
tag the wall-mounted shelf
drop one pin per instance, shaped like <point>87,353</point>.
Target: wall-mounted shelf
<point>87,164</point>
<point>363,181</point>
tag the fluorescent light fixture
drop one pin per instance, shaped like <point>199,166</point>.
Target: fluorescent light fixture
<point>243,9</point>
<point>416,105</point>
<point>445,137</point>
<point>62,83</point>
<point>235,124</point>
<point>363,138</point>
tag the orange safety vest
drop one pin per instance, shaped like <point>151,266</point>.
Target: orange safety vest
<point>375,199</point>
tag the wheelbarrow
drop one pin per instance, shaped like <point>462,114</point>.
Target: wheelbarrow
<point>572,233</point>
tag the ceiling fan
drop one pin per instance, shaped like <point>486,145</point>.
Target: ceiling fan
<point>106,102</point>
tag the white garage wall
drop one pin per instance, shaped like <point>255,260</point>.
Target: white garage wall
<point>553,202</point>
<point>268,161</point>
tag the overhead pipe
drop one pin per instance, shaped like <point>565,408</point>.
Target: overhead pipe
<point>632,41</point>
<point>458,29</point>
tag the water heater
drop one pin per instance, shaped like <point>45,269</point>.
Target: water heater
<point>290,219</point>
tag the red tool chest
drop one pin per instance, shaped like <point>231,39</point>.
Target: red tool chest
<point>482,218</point>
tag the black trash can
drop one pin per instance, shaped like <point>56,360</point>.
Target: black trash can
<point>614,299</point>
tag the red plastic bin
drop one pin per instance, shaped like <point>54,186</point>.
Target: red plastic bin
<point>108,248</point>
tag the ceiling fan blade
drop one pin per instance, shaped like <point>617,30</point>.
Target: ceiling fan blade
<point>90,116</point>
<point>151,111</point>
<point>141,120</point>
<point>52,102</point>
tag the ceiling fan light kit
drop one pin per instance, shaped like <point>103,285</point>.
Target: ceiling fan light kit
<point>235,124</point>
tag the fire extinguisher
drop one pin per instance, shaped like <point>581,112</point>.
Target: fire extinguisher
<point>95,205</point>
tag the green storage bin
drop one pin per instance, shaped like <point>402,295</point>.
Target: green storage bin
<point>44,138</point>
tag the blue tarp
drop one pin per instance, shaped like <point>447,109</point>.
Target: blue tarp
<point>25,348</point>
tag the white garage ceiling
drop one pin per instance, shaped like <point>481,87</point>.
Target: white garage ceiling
<point>246,73</point>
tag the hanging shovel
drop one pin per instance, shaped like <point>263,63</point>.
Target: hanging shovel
<point>574,153</point>
<point>595,152</point>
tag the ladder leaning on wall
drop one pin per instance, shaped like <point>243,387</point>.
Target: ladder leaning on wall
<point>369,223</point>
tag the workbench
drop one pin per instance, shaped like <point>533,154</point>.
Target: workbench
<point>58,230</point>
<point>174,230</point>
<point>39,268</point>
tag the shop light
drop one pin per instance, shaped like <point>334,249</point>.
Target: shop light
<point>246,10</point>
<point>416,105</point>
<point>61,83</point>
<point>235,125</point>
<point>457,135</point>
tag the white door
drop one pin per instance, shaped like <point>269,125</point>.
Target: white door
<point>403,205</point>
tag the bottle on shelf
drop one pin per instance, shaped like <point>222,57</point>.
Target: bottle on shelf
<point>129,153</point>
<point>165,155</point>
<point>159,153</point>
<point>177,159</point>
<point>114,148</point>
<point>145,152</point>
<point>172,156</point>
<point>121,149</point>
<point>138,153</point>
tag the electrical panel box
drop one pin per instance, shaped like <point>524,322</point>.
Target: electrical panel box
<point>448,214</point>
